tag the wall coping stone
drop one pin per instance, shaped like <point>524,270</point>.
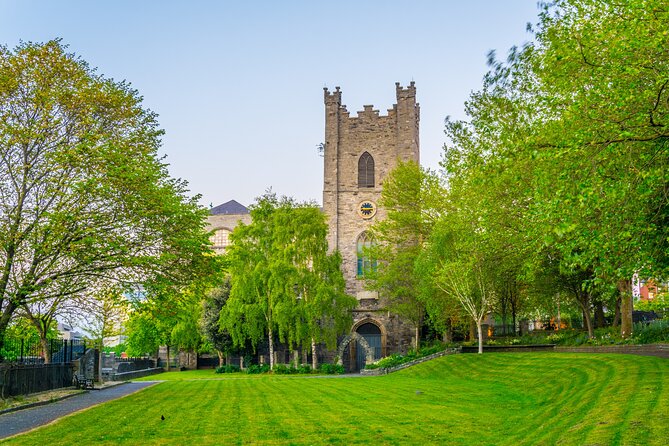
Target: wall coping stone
<point>135,374</point>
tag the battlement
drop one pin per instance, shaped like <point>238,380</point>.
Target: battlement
<point>332,98</point>
<point>404,93</point>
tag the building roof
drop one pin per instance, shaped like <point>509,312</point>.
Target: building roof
<point>229,208</point>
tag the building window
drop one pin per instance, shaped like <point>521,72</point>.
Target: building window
<point>366,170</point>
<point>365,262</point>
<point>220,239</point>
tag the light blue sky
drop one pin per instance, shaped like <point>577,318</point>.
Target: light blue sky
<point>238,86</point>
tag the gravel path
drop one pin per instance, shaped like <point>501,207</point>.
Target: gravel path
<point>26,419</point>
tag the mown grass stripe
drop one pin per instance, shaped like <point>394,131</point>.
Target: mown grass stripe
<point>462,399</point>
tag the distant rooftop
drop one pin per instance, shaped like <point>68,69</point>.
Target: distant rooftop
<point>229,208</point>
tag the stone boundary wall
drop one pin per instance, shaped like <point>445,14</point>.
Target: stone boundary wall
<point>385,371</point>
<point>659,350</point>
<point>125,376</point>
<point>510,348</point>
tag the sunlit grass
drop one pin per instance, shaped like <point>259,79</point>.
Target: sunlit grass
<point>504,398</point>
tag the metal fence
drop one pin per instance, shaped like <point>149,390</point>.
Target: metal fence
<point>22,351</point>
<point>22,379</point>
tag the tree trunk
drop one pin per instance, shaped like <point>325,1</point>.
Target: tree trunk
<point>168,357</point>
<point>616,317</point>
<point>271,349</point>
<point>417,333</point>
<point>44,343</point>
<point>448,332</point>
<point>220,358</point>
<point>626,308</point>
<point>600,320</point>
<point>583,300</point>
<point>100,359</point>
<point>314,356</point>
<point>10,307</point>
<point>588,322</point>
<point>479,329</point>
<point>42,326</point>
<point>296,358</point>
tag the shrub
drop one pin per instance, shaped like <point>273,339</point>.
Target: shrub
<point>255,369</point>
<point>304,369</point>
<point>657,331</point>
<point>332,369</point>
<point>283,369</point>
<point>395,359</point>
<point>228,368</point>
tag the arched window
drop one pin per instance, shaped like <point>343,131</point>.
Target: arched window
<point>220,239</point>
<point>365,262</point>
<point>366,170</point>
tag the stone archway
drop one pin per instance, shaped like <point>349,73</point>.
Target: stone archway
<point>354,336</point>
<point>382,329</point>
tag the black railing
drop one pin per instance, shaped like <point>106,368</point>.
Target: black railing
<point>23,351</point>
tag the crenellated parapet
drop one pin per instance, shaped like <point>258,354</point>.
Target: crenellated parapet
<point>332,98</point>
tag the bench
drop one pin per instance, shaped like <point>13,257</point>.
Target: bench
<point>81,382</point>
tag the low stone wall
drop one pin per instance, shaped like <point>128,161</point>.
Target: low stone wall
<point>660,350</point>
<point>125,376</point>
<point>509,348</point>
<point>385,371</point>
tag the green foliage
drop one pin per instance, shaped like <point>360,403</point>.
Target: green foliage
<point>331,369</point>
<point>145,333</point>
<point>106,313</point>
<point>84,195</point>
<point>563,159</point>
<point>396,359</point>
<point>283,281</point>
<point>283,369</point>
<point>117,349</point>
<point>255,369</point>
<point>654,332</point>
<point>210,325</point>
<point>413,199</point>
<point>659,304</point>
<point>644,333</point>
<point>228,368</point>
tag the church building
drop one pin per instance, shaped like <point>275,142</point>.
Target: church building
<point>359,153</point>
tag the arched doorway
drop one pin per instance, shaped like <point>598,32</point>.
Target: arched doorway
<point>371,333</point>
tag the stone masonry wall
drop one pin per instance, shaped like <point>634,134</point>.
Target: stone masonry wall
<point>387,139</point>
<point>226,221</point>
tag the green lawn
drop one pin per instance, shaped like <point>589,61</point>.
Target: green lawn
<point>502,398</point>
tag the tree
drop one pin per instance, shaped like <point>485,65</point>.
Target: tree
<point>323,309</point>
<point>459,261</point>
<point>283,282</point>
<point>43,313</point>
<point>106,314</point>
<point>210,324</point>
<point>83,194</point>
<point>145,332</point>
<point>412,198</point>
<point>579,118</point>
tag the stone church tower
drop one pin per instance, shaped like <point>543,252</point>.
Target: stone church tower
<point>359,152</point>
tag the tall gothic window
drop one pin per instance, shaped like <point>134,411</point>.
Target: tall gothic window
<point>365,262</point>
<point>366,170</point>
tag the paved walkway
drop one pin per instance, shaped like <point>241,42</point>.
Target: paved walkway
<point>13,423</point>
